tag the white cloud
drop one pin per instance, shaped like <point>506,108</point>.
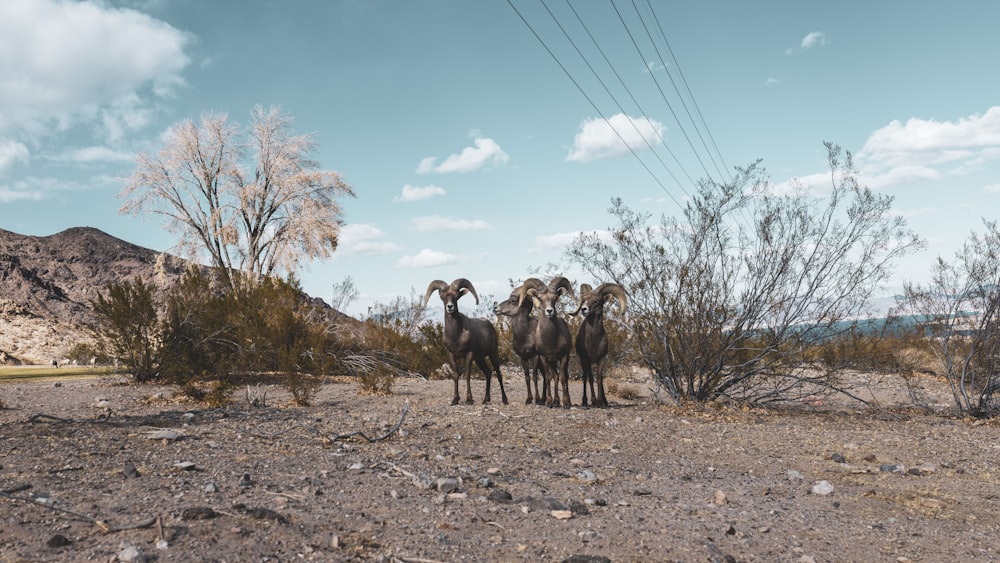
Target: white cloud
<point>925,148</point>
<point>559,241</point>
<point>419,193</point>
<point>365,240</point>
<point>438,223</point>
<point>771,81</point>
<point>61,62</point>
<point>88,155</point>
<point>427,258</point>
<point>992,188</point>
<point>12,152</point>
<point>600,138</point>
<point>811,40</point>
<point>485,152</point>
<point>9,194</point>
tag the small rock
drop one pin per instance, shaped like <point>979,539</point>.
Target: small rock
<point>168,435</point>
<point>57,384</point>
<point>720,498</point>
<point>356,467</point>
<point>838,458</point>
<point>923,469</point>
<point>58,541</point>
<point>561,514</point>
<point>130,472</point>
<point>446,485</point>
<point>587,477</point>
<point>870,458</point>
<point>198,513</point>
<point>422,482</point>
<point>892,468</point>
<point>131,554</point>
<point>500,496</point>
<point>188,416</point>
<point>211,488</point>
<point>162,544</point>
<point>486,483</point>
<point>795,476</point>
<point>822,488</point>
<point>578,508</point>
<point>547,503</point>
<point>586,559</point>
<point>245,480</point>
<point>185,465</point>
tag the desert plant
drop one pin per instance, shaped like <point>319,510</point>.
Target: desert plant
<point>959,311</point>
<point>128,328</point>
<point>725,300</point>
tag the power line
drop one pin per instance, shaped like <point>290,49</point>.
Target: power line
<point>590,100</point>
<point>694,100</point>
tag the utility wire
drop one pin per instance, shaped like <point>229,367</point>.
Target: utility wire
<point>694,100</point>
<point>589,99</point>
<point>677,91</point>
<point>660,89</point>
<point>621,81</point>
<point>615,99</point>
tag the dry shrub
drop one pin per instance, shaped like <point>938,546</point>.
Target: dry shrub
<point>621,390</point>
<point>378,383</point>
<point>912,359</point>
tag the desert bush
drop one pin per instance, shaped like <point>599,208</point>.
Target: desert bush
<point>725,299</point>
<point>959,312</point>
<point>128,327</point>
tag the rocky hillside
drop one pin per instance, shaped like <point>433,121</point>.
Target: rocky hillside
<point>47,284</point>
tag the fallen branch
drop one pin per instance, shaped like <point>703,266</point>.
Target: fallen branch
<point>96,521</point>
<point>406,408</point>
<point>38,416</point>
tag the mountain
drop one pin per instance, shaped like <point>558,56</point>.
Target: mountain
<point>47,284</point>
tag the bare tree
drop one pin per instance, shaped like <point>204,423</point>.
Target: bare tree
<point>959,311</point>
<point>727,299</point>
<point>254,201</point>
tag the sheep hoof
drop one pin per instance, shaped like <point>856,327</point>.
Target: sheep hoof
<point>530,400</point>
<point>454,401</point>
<point>469,401</point>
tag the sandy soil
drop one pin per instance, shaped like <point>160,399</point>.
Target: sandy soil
<point>94,470</point>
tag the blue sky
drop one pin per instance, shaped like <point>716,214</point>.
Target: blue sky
<point>472,152</point>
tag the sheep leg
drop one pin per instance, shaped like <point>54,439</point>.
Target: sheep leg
<point>564,377</point>
<point>495,360</point>
<point>468,380</point>
<point>455,374</point>
<point>588,375</point>
<point>539,367</point>
<point>550,384</point>
<point>527,380</point>
<point>600,400</point>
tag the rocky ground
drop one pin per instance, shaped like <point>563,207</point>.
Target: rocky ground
<point>95,470</point>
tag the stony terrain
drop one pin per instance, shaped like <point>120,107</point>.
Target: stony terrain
<point>95,470</point>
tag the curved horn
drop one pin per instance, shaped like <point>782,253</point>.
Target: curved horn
<point>533,282</point>
<point>462,283</point>
<point>559,282</point>
<point>608,289</point>
<point>436,285</point>
<point>584,290</point>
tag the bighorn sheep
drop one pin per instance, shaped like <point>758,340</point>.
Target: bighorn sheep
<point>467,339</point>
<point>591,338</point>
<point>522,327</point>
<point>552,338</point>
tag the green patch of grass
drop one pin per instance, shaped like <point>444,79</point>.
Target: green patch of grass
<point>17,373</point>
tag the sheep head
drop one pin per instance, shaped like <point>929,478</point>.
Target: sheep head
<point>593,300</point>
<point>546,297</point>
<point>450,293</point>
<point>515,302</point>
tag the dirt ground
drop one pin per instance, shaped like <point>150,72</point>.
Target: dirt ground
<point>95,470</point>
